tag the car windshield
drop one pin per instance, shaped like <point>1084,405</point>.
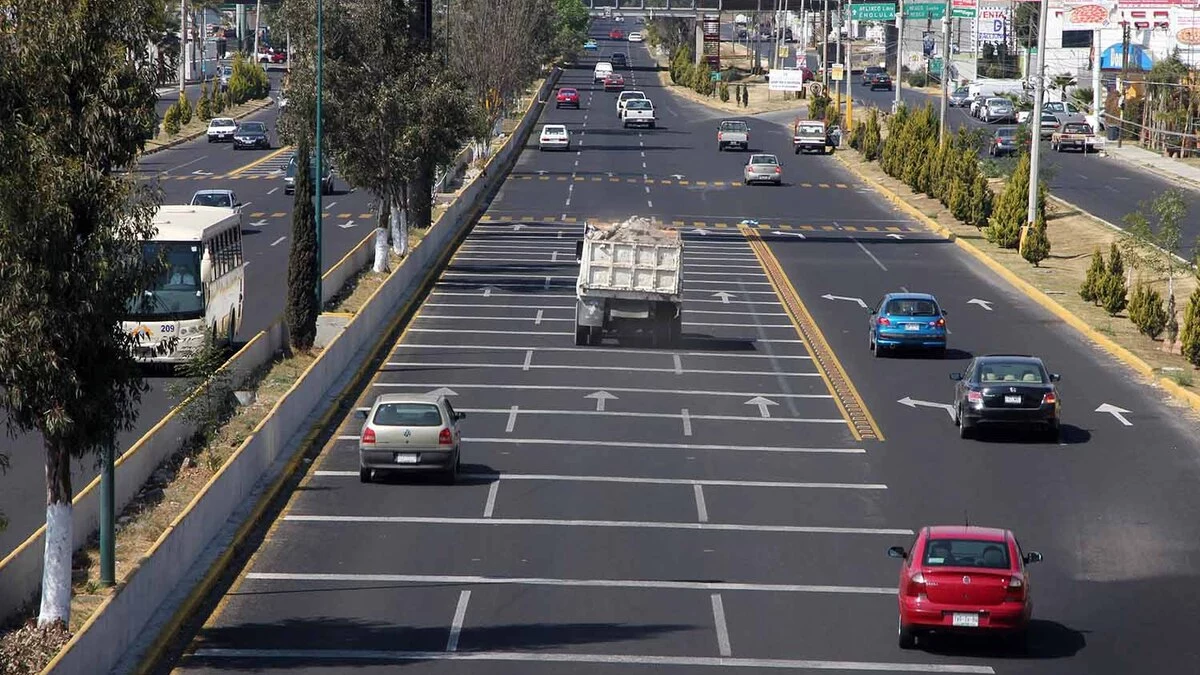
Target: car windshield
<point>763,159</point>
<point>1054,106</point>
<point>640,104</point>
<point>873,69</point>
<point>911,307</point>
<point>815,130</point>
<point>1001,371</point>
<point>253,127</point>
<point>1077,128</point>
<point>966,553</point>
<point>408,415</point>
<point>962,91</point>
<point>555,131</point>
<point>222,122</point>
<point>568,92</point>
<point>997,101</point>
<point>175,291</point>
<point>733,126</point>
<point>221,199</point>
<point>1006,133</point>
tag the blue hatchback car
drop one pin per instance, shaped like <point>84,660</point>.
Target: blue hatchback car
<point>913,320</point>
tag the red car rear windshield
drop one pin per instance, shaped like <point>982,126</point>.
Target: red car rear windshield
<point>966,553</point>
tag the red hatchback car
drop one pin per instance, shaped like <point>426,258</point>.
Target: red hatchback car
<point>614,82</point>
<point>567,96</point>
<point>964,579</point>
<point>616,34</point>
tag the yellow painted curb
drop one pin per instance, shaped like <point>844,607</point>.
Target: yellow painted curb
<point>261,160</point>
<point>1034,293</point>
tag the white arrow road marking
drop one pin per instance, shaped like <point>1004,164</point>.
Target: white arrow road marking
<point>259,223</point>
<point>893,235</point>
<point>554,254</point>
<point>601,396</point>
<point>677,176</point>
<point>1116,412</point>
<point>724,296</point>
<point>518,227</point>
<point>986,304</point>
<point>442,391</point>
<point>201,172</point>
<point>828,296</point>
<point>347,225</point>
<point>762,404</point>
<point>913,403</point>
<point>700,232</point>
<point>487,290</point>
<point>541,172</point>
<point>791,234</point>
<point>278,241</point>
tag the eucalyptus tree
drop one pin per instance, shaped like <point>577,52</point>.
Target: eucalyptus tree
<point>76,94</point>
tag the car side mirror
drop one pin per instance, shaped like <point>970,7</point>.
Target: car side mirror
<point>945,313</point>
<point>360,414</point>
<point>460,416</point>
<point>897,552</point>
<point>1055,377</point>
<point>957,377</point>
<point>1033,557</point>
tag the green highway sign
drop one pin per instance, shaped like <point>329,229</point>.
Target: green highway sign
<point>962,13</point>
<point>873,11</point>
<point>925,10</point>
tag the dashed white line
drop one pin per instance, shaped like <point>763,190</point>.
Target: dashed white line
<point>719,620</point>
<point>272,190</point>
<point>869,254</point>
<point>701,507</point>
<point>678,364</point>
<point>460,615</point>
<point>537,321</point>
<point>528,360</point>
<point>627,445</point>
<point>490,506</point>
<point>278,241</point>
<point>512,420</point>
<point>649,203</point>
<point>687,421</point>
<point>640,480</point>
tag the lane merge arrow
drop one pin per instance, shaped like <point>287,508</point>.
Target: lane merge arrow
<point>517,227</point>
<point>828,296</point>
<point>1116,412</point>
<point>700,232</point>
<point>201,172</point>
<point>261,222</point>
<point>724,296</point>
<point>601,396</point>
<point>986,304</point>
<point>913,403</point>
<point>762,404</point>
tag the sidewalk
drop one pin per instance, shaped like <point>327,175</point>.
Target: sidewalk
<point>1171,169</point>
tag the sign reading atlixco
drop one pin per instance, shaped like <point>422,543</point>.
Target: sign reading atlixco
<point>873,11</point>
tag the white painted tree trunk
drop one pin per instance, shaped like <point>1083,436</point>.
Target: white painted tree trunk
<point>56,573</point>
<point>381,241</point>
<point>398,220</point>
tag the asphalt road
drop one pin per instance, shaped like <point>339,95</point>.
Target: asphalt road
<point>1103,186</point>
<point>688,524</point>
<point>180,171</point>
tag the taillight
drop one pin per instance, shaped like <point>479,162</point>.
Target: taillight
<point>974,397</point>
<point>915,586</point>
<point>1015,592</point>
<point>883,321</point>
<point>368,436</point>
<point>445,438</point>
<point>719,133</point>
<point>778,170</point>
<point>1049,398</point>
<point>940,323</point>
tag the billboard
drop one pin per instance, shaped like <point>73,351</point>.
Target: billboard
<point>994,23</point>
<point>1088,14</point>
<point>785,79</point>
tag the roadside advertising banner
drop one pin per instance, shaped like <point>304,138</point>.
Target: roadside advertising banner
<point>994,23</point>
<point>1088,14</point>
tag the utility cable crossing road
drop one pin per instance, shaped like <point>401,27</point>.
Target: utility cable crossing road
<point>724,504</point>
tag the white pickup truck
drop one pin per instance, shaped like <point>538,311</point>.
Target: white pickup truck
<point>638,112</point>
<point>630,278</point>
<point>733,133</point>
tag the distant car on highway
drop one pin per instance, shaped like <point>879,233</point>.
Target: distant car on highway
<point>871,71</point>
<point>638,112</point>
<point>614,82</point>
<point>554,137</point>
<point>967,580</point>
<point>616,34</point>
<point>221,129</point>
<point>881,81</point>
<point>762,169</point>
<point>410,432</point>
<point>252,135</point>
<point>1006,389</point>
<point>619,60</point>
<point>225,199</point>
<point>289,175</point>
<point>1076,135</point>
<point>625,97</point>
<point>635,37</point>
<point>907,320</point>
<point>733,133</point>
<point>602,70</point>
<point>1050,124</point>
<point>590,45</point>
<point>567,96</point>
<point>997,109</point>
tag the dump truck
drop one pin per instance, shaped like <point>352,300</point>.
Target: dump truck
<point>630,281</point>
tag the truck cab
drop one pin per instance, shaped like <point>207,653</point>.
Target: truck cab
<point>810,136</point>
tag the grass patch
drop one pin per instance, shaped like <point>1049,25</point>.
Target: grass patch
<point>197,126</point>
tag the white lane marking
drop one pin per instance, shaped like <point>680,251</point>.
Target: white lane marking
<point>709,482</point>
<point>460,614</point>
<point>626,445</point>
<point>869,254</point>
<point>512,419</point>
<point>630,524</point>
<point>537,321</point>
<point>655,415</point>
<point>422,364</point>
<point>687,421</point>
<point>678,364</point>
<point>546,283</point>
<point>473,579</point>
<point>647,190</point>
<point>622,390</point>
<point>278,241</point>
<point>460,317</point>
<point>592,659</point>
<point>596,350</point>
<point>649,204</point>
<point>701,507</point>
<point>528,359</point>
<point>272,190</point>
<point>330,205</point>
<point>718,609</point>
<point>490,506</point>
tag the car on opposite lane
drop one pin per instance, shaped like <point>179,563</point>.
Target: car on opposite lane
<point>554,136</point>
<point>289,175</point>
<point>252,135</point>
<point>762,168</point>
<point>881,81</point>
<point>567,96</point>
<point>912,320</point>
<point>221,129</point>
<point>964,579</point>
<point>590,45</point>
<point>1006,389</point>
<point>870,72</point>
<point>410,432</point>
<point>619,60</point>
<point>616,34</point>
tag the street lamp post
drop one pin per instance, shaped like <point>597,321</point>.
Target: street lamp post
<point>945,72</point>
<point>899,55</point>
<point>1035,119</point>
<point>320,149</point>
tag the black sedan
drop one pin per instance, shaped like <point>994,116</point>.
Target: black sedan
<point>1006,389</point>
<point>251,135</point>
<point>881,81</point>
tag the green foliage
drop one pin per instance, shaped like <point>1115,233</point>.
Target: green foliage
<point>1116,262</point>
<point>204,104</point>
<point>248,81</point>
<point>745,96</point>
<point>218,100</point>
<point>818,107</point>
<point>1112,290</point>
<point>1191,329</point>
<point>571,22</point>
<point>1090,290</point>
<point>979,208</point>
<point>300,313</point>
<point>917,79</point>
<point>205,389</point>
<point>872,142</point>
<point>185,109</point>
<point>1146,311</point>
<point>724,91</point>
<point>927,172</point>
<point>1172,326</point>
<point>1004,227</point>
<point>681,64</point>
<point>1036,246</point>
<point>171,120</point>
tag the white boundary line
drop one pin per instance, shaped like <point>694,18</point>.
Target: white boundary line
<point>622,390</point>
<point>594,659</point>
<point>600,350</point>
<point>607,524</point>
<point>655,415</point>
<point>697,482</point>
<point>536,366</point>
<point>718,609</point>
<point>460,615</point>
<point>459,317</point>
<point>627,445</point>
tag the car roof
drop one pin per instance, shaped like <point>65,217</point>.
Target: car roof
<point>967,532</point>
<point>215,191</point>
<point>554,127</point>
<point>764,154</point>
<point>408,398</point>
<point>911,296</point>
<point>222,120</point>
<point>1009,358</point>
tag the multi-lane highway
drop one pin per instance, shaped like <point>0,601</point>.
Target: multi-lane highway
<point>257,178</point>
<point>725,505</point>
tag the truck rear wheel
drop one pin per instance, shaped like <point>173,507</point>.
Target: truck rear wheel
<point>581,336</point>
<point>595,335</point>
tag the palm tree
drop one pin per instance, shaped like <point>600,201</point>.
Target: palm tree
<point>1062,83</point>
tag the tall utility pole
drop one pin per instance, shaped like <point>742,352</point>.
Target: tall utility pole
<point>899,55</point>
<point>1124,78</point>
<point>1039,90</point>
<point>183,55</point>
<point>825,48</point>
<point>1097,98</point>
<point>946,72</point>
<point>257,26</point>
<point>320,146</point>
<point>849,74</point>
<point>838,40</point>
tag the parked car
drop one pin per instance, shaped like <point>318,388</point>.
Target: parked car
<point>762,169</point>
<point>1049,125</point>
<point>554,137</point>
<point>975,107</point>
<point>1004,142</point>
<point>997,109</point>
<point>1077,135</point>
<point>1006,389</point>
<point>221,129</point>
<point>252,135</point>
<point>410,432</point>
<point>567,96</point>
<point>964,579</point>
<point>907,320</point>
<point>959,97</point>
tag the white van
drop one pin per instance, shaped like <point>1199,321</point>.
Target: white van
<point>603,70</point>
<point>987,88</point>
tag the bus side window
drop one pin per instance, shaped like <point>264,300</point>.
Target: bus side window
<point>237,246</point>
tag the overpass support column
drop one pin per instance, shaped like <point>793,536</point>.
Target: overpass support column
<point>699,37</point>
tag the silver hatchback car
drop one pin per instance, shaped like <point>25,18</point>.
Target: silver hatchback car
<point>410,432</point>
<point>763,169</point>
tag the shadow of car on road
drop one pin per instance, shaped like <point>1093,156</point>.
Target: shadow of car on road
<point>1045,640</point>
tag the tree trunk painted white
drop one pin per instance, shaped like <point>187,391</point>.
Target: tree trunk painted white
<point>381,250</point>
<point>56,565</point>
<point>399,225</point>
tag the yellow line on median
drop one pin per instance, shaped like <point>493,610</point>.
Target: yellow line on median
<point>261,160</point>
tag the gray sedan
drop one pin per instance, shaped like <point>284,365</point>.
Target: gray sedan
<point>996,109</point>
<point>763,169</point>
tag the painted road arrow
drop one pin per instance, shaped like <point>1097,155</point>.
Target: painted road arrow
<point>347,225</point>
<point>201,172</point>
<point>677,176</point>
<point>442,391</point>
<point>601,396</point>
<point>895,236</point>
<point>724,296</point>
<point>986,304</point>
<point>699,231</point>
<point>762,404</point>
<point>1116,412</point>
<point>913,403</point>
<point>791,234</point>
<point>518,227</point>
<point>487,291</point>
<point>261,222</point>
<point>862,304</point>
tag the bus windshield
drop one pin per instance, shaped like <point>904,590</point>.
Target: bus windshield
<point>177,291</point>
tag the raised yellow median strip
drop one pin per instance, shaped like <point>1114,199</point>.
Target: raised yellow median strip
<point>261,160</point>
<point>849,402</point>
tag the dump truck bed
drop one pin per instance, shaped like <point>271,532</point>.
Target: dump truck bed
<point>634,259</point>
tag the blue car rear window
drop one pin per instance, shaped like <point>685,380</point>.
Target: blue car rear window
<point>911,308</point>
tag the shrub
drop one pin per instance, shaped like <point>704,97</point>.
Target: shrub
<point>1113,290</point>
<point>981,199</point>
<point>724,92</point>
<point>185,109</point>
<point>872,141</point>
<point>817,107</point>
<point>1036,246</point>
<point>1004,228</point>
<point>1191,329</point>
<point>1146,311</point>
<point>1172,320</point>
<point>248,81</point>
<point>745,96</point>
<point>171,120</point>
<point>1090,290</point>
<point>204,107</point>
<point>917,79</point>
<point>927,174</point>
<point>857,135</point>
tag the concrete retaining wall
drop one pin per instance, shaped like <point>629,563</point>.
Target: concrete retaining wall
<point>354,262</point>
<point>98,646</point>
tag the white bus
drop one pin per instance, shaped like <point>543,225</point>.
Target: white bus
<point>199,288</point>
